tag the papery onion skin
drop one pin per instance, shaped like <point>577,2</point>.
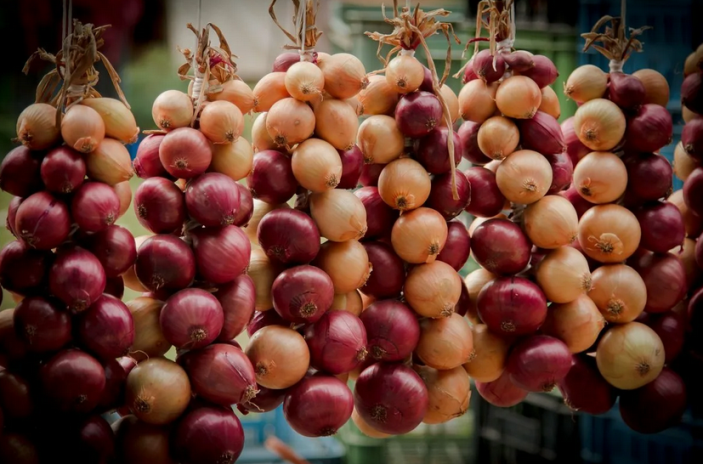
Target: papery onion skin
<point>208,243</point>
<point>433,289</point>
<point>649,176</point>
<point>650,129</point>
<point>279,355</point>
<point>562,172</point>
<point>458,246</point>
<point>543,71</point>
<point>262,319</point>
<point>542,133</point>
<point>392,330</point>
<point>662,227</point>
<point>165,262</point>
<point>489,356</point>
<point>577,323</point>
<point>302,294</point>
<point>379,216</point>
<point>488,67</point>
<point>498,137</point>
<point>477,101</point>
<point>501,392</point>
<point>153,376</point>
<point>42,324</point>
<point>106,328</point>
<point>118,119</point>
<point>433,151</point>
<point>95,206</point>
<point>418,113</point>
<point>585,390</point>
<point>217,427</point>
<point>289,236</point>
<point>665,278</point>
<point>42,221</point>
<point>36,126</point>
<point>370,174</point>
<point>172,109</point>
<point>82,128</point>
<point>141,443</point>
<point>346,263</point>
<point>269,90</point>
<point>352,165</point>
<point>159,205</point>
<point>574,147</point>
<point>538,363</point>
<point>20,171</point>
<point>518,97</point>
<point>348,71</point>
<point>212,199</point>
<point>404,184</point>
<point>671,328</point>
<point>491,201</point>
<point>419,236</point>
<point>619,292</point>
<point>191,318</point>
<point>290,121</point>
<point>626,91</point>
<point>149,340</point>
<point>551,222</point>
<point>449,393</point>
<point>524,177</point>
<point>609,233</point>
<point>564,275</point>
<point>77,278</point>
<point>474,282</point>
<point>185,153</point>
<point>238,300</point>
<point>550,102</point>
<point>378,97</point>
<point>339,215</point>
<point>337,342</point>
<point>468,132</point>
<point>445,343</point>
<point>404,73</point>
<point>587,82</point>
<point>389,282</point>
<point>23,269</point>
<point>599,124</point>
<point>380,140</point>
<point>265,401</point>
<point>73,381</point>
<point>500,246</point>
<point>272,179</point>
<point>318,406</point>
<point>512,306</point>
<point>62,170</point>
<point>442,199</point>
<point>316,165</point>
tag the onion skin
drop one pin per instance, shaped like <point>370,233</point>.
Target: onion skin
<point>649,176</point>
<point>449,393</point>
<point>346,263</point>
<point>106,328</point>
<point>352,165</point>
<point>191,319</point>
<point>166,263</point>
<point>153,376</point>
<point>404,184</point>
<point>577,323</point>
<point>500,246</point>
<point>441,197</point>
<point>302,294</point>
<point>337,342</point>
<point>42,221</point>
<point>95,206</point>
<point>619,293</point>
<point>458,246</point>
<point>77,278</point>
<point>551,222</point>
<point>538,363</point>
<point>270,165</point>
<point>42,324</point>
<point>209,243</point>
<point>562,172</point>
<point>20,171</point>
<point>23,269</point>
<point>17,397</point>
<point>662,227</point>
<point>208,435</point>
<point>512,306</point>
<point>692,92</point>
<point>238,301</point>
<point>489,356</point>
<point>318,406</point>
<point>339,215</point>
<point>172,109</point>
<point>626,91</point>
<point>185,153</point>
<point>574,148</point>
<point>599,124</point>
<point>115,248</point>
<point>379,216</point>
<point>670,327</point>
<point>419,236</point>
<point>609,233</point>
<point>445,343</point>
<point>433,289</point>
<point>289,236</point>
<point>650,129</point>
<point>542,133</point>
<point>665,278</point>
<point>82,128</point>
<point>36,127</point>
<point>389,282</point>
<point>468,133</point>
<point>487,67</point>
<point>212,199</point>
<point>418,113</point>
<point>160,206</point>
<point>501,392</point>
<point>491,201</point>
<point>433,151</point>
<point>280,357</point>
<point>518,97</point>
<point>692,191</point>
<point>265,401</point>
<point>584,389</point>
<point>564,276</point>
<point>263,319</point>
<point>392,330</point>
<point>81,379</point>
<point>118,119</point>
<point>524,177</point>
<point>149,340</point>
<point>141,443</point>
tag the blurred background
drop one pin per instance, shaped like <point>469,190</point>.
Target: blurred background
<point>142,45</point>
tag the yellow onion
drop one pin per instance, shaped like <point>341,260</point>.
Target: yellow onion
<point>477,100</point>
<point>263,272</point>
<point>339,214</point>
<point>304,81</point>
<point>405,73</point>
<point>692,222</point>
<point>124,192</point>
<point>432,289</point>
<point>586,83</point>
<point>365,428</point>
<point>524,177</point>
<point>36,127</point>
<point>344,74</point>
<point>221,122</point>
<point>550,103</point>
<point>619,293</point>
<point>118,119</point>
<point>687,255</point>
<point>261,208</point>
<point>609,233</point>
<point>518,97</point>
<point>474,282</point>
<point>260,138</point>
<point>270,89</point>
<point>82,128</point>
<point>172,109</point>
<point>498,137</point>
<point>445,343</point>
<point>339,303</point>
<point>380,140</point>
<point>687,114</point>
<point>290,121</point>
<point>149,340</point>
<point>356,105</point>
<point>694,62</point>
<point>337,123</point>
<point>235,160</point>
<point>449,393</point>
<point>404,184</point>
<point>419,236</point>
<point>551,222</point>
<point>683,162</point>
<point>656,88</point>
<point>487,361</point>
<point>316,165</point>
<point>110,163</point>
<point>563,275</point>
<point>599,124</point>
<point>577,323</point>
<point>378,97</point>
<point>452,103</point>
<point>347,264</point>
<point>600,177</point>
<point>237,92</point>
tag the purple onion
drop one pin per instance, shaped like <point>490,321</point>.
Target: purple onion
<point>442,199</point>
<point>352,165</point>
<point>457,248</point>
<point>272,179</point>
<point>562,172</point>
<point>289,236</point>
<point>212,199</point>
<point>468,132</point>
<point>501,247</point>
<point>418,113</point>
<point>488,67</point>
<point>433,151</point>
<point>20,172</point>
<point>488,200</point>
<point>379,216</point>
<point>388,281</point>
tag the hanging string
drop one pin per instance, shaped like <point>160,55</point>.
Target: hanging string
<point>304,11</point>
<point>198,83</point>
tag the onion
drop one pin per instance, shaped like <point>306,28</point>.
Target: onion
<point>62,171</point>
<point>279,355</point>
<point>468,133</point>
<point>657,405</point>
<point>302,294</point>
<point>665,278</point>
<point>116,371</point>
<point>687,255</point>
<point>149,340</point>
<point>346,263</point>
<point>290,121</point>
<point>191,319</point>
<point>542,133</point>
<point>563,275</point>
<point>458,246</point>
<point>577,323</point>
<point>344,75</point>
<point>619,292</point>
<point>141,443</point>
<point>95,206</point>
<point>246,206</point>
<point>656,87</point>
<point>82,128</point>
<point>238,300</point>
<point>524,177</point>
<point>441,198</point>
<point>650,129</point>
<point>404,73</point>
<point>16,396</point>
<point>600,177</point>
<point>336,122</point>
<point>339,215</point>
<point>692,191</point>
<point>165,262</point>
<point>269,90</point>
<point>378,97</point>
<point>501,392</point>
<point>185,153</point>
<point>337,342</point>
<point>365,428</point>
<point>260,138</point>
<point>318,406</point>
<point>538,363</point>
<point>419,236</point>
<point>76,278</point>
<point>392,330</point>
<point>488,67</point>
<point>609,233</point>
<point>449,393</point>
<point>445,343</point>
<point>109,163</point>
<point>550,103</point>
<point>370,174</point>
<point>585,83</point>
<point>418,113</point>
<point>584,389</point>
<point>574,148</point>
<point>491,201</point>
<point>518,97</point>
<point>212,199</point>
<point>237,92</point>
<point>271,179</point>
<point>42,221</point>
<point>489,356</point>
<point>404,184</point>
<point>266,400</point>
<point>433,151</point>
<point>42,324</point>
<point>285,60</point>
<point>692,139</point>
<point>662,227</point>
<point>433,289</point>
<point>626,91</point>
<point>263,272</point>
<point>500,246</point>
<point>387,283</point>
<point>304,81</point>
<point>208,434</point>
<point>235,159</point>
<point>562,172</point>
<point>316,165</point>
<point>599,124</point>
<point>172,109</point>
<point>118,119</point>
<point>380,217</point>
<point>543,71</point>
<point>519,61</point>
<point>289,236</point>
<point>36,127</point>
<point>670,327</point>
<point>21,174</point>
<point>380,139</point>
<point>512,306</point>
<point>73,381</point>
<point>262,319</point>
<point>115,286</point>
<point>159,205</point>
<point>649,176</point>
<point>474,282</point>
<point>551,222</point>
<point>692,221</point>
<point>18,449</point>
<point>352,165</point>
<point>477,101</point>
<point>106,328</point>
<point>498,137</point>
<point>158,391</point>
<point>23,269</point>
<point>691,94</point>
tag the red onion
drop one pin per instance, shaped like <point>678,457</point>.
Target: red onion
<point>352,164</point>
<point>208,435</point>
<point>695,311</point>
<point>538,363</point>
<point>238,299</point>
<point>418,113</point>
<point>95,441</point>
<point>487,67</point>
<point>543,72</point>
<point>114,286</point>
<point>20,172</point>
<point>265,401</point>
<point>160,206</point>
<point>584,389</point>
<point>185,153</point>
<point>469,74</point>
<point>650,129</point>
<point>692,92</point>
<point>284,61</point>
<point>391,398</point>
<point>392,330</point>
<point>106,328</point>
<point>221,373</point>
<point>246,206</point>
<point>468,133</point>
<point>115,249</point>
<point>581,205</point>
<point>501,247</point>
<point>63,170</point>
<point>664,277</point>
<point>388,282</point>
<point>42,324</point>
<point>692,138</point>
<point>289,236</point>
<point>73,381</point>
<point>542,134</point>
<point>370,174</point>
<point>574,148</point>
<point>490,201</point>
<point>302,294</point>
<point>18,449</point>
<point>656,406</point>
<point>95,206</point>
<point>662,227</point>
<point>115,379</point>
<point>12,214</point>
<point>512,306</point>
<point>77,278</point>
<point>649,176</point>
<point>519,61</point>
<point>433,151</point>
<point>147,163</point>
<point>192,318</point>
<point>427,84</point>
<point>441,197</point>
<point>262,319</point>
<point>23,269</point>
<point>212,245</point>
<point>626,91</point>
<point>272,179</point>
<point>16,396</point>
<point>379,216</point>
<point>562,172</point>
<point>212,199</point>
<point>42,221</point>
<point>671,328</point>
<point>501,392</point>
<point>142,443</point>
<point>318,406</point>
<point>165,262</point>
<point>337,342</point>
<point>464,305</point>
<point>692,191</point>
<point>457,249</point>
